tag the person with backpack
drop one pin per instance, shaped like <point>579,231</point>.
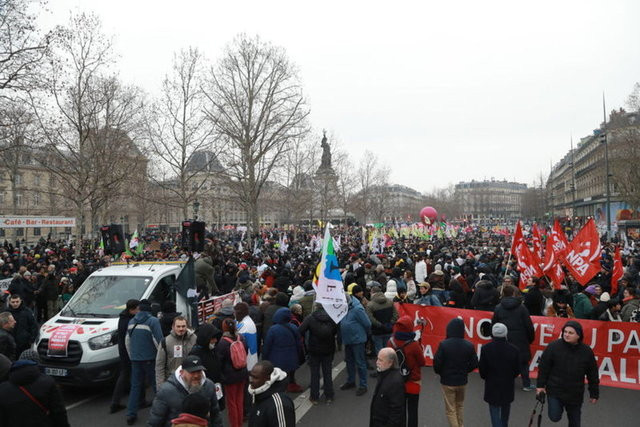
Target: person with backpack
<point>232,354</point>
<point>320,331</point>
<point>410,360</point>
<point>173,348</point>
<point>283,346</point>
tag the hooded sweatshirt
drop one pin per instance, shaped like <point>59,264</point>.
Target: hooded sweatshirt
<point>271,404</point>
<point>455,357</point>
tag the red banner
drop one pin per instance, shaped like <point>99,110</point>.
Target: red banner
<point>616,344</point>
<point>208,307</point>
<point>59,340</point>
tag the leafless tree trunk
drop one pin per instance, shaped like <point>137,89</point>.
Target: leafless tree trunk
<point>257,108</point>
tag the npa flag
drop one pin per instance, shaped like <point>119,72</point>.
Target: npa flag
<point>552,267</point>
<point>559,239</point>
<point>527,265</point>
<point>329,287</point>
<point>537,242</point>
<point>617,272</point>
<point>583,254</point>
<point>517,238</point>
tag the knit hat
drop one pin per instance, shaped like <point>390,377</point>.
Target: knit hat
<point>30,354</point>
<point>144,305</point>
<point>499,330</point>
<point>350,288</point>
<point>196,404</point>
<point>575,325</point>
<point>605,297</point>
<point>591,289</point>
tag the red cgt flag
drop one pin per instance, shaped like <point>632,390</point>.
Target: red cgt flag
<point>552,267</point>
<point>527,265</point>
<point>583,254</point>
<point>617,272</point>
<point>517,238</point>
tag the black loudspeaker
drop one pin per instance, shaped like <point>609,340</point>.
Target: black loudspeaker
<point>117,238</point>
<point>193,236</point>
<point>105,231</point>
<point>197,236</point>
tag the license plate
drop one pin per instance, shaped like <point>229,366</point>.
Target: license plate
<point>56,372</point>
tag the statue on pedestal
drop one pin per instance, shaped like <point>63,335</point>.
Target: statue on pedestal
<point>325,163</point>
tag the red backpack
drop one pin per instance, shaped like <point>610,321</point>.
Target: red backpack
<point>237,352</point>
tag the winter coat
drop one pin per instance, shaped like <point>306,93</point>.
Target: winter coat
<point>171,351</point>
<point>355,326</point>
<point>17,409</point>
<point>485,297</point>
<point>189,420</point>
<point>455,356</point>
<point>499,366</point>
<point>599,309</point>
<point>307,302</point>
<point>457,296</point>
<point>142,340</point>
<point>382,314</point>
<point>49,288</point>
<point>388,402</point>
<point>534,301</point>
<point>281,301</point>
<point>413,353</point>
<point>7,344</point>
<point>282,345</point>
<point>271,406</point>
<point>208,357</point>
<point>628,308</point>
<point>582,306</point>
<point>428,300</point>
<point>26,329</point>
<point>320,332</point>
<point>204,275</point>
<point>230,375</point>
<point>562,369</point>
<point>247,328</point>
<point>167,403</point>
<point>123,325</point>
<point>516,318</point>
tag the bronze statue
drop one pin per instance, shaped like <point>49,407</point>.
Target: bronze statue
<point>326,153</point>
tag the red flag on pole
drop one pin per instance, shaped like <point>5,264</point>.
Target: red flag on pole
<point>517,238</point>
<point>559,239</point>
<point>617,272</point>
<point>527,265</point>
<point>537,242</point>
<point>552,267</point>
<point>583,254</point>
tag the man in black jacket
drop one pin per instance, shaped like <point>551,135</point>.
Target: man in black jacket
<point>271,406</point>
<point>7,342</point>
<point>453,361</point>
<point>26,329</point>
<point>321,346</point>
<point>563,366</point>
<point>515,316</point>
<point>388,402</point>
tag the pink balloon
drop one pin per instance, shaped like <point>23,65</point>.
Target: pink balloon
<point>428,212</point>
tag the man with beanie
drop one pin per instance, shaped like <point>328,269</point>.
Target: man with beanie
<point>144,334</point>
<point>499,366</point>
<point>453,361</point>
<point>404,342</point>
<point>195,410</point>
<point>563,367</point>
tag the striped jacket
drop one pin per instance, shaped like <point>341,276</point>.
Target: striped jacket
<point>272,408</point>
<point>143,337</point>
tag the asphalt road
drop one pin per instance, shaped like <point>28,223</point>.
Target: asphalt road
<point>617,407</point>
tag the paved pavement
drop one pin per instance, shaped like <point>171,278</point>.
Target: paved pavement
<point>617,407</point>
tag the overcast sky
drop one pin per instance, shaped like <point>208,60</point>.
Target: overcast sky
<point>442,91</point>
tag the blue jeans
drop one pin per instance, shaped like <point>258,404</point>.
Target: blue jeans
<point>556,407</point>
<point>379,342</point>
<point>143,372</point>
<point>316,362</point>
<point>499,415</point>
<point>354,357</point>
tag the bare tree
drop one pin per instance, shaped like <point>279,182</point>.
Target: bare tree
<point>179,133</point>
<point>624,156</point>
<point>258,110</point>
<point>15,144</point>
<point>633,102</point>
<point>371,183</point>
<point>299,164</point>
<point>346,178</point>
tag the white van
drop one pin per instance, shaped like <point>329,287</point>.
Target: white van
<point>79,345</point>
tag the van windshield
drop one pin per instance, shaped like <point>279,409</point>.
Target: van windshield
<point>105,296</point>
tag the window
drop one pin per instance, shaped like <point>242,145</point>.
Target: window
<point>37,231</point>
<point>36,180</point>
<point>164,291</point>
<point>18,179</point>
<point>36,199</point>
<point>18,198</point>
<point>19,232</point>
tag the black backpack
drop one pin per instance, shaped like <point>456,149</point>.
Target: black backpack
<point>405,371</point>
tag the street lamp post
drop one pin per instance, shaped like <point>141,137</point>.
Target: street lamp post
<point>606,161</point>
<point>196,207</point>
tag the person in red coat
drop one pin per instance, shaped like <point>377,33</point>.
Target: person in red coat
<point>403,339</point>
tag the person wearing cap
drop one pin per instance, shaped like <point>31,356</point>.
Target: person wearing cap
<point>187,379</point>
<point>564,364</point>
<point>142,340</point>
<point>499,366</point>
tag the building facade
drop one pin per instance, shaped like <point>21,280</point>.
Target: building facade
<point>490,199</point>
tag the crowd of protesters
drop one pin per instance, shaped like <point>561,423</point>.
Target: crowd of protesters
<point>244,361</point>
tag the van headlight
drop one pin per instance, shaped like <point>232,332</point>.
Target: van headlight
<point>103,341</point>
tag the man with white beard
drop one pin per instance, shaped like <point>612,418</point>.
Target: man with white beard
<point>189,378</point>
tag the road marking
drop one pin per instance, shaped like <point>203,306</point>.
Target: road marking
<point>302,402</point>
<point>82,402</point>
